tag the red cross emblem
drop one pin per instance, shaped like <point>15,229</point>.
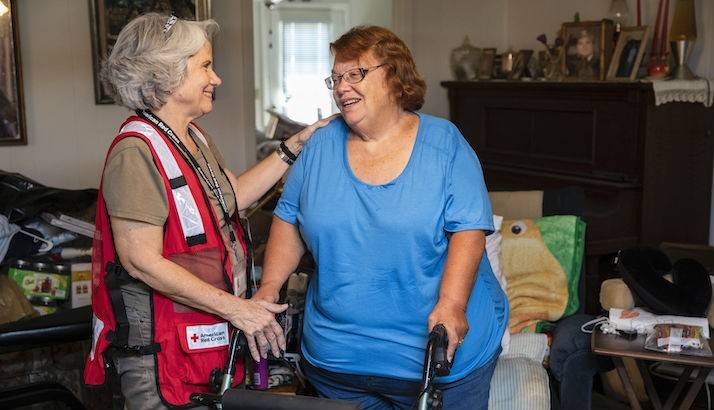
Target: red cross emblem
<point>194,338</point>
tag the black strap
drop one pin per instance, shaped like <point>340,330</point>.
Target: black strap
<point>115,277</point>
<point>114,379</point>
<point>138,350</point>
<point>196,239</point>
<point>287,151</point>
<point>247,237</point>
<point>178,182</point>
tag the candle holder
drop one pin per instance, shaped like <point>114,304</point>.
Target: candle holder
<point>657,67</point>
<point>682,49</point>
<point>682,37</point>
<point>619,14</point>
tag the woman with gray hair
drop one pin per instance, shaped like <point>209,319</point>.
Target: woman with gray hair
<point>170,254</point>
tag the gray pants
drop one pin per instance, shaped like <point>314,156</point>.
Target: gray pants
<point>138,373</point>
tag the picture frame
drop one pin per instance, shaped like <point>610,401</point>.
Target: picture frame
<point>520,64</point>
<point>628,54</point>
<point>108,17</point>
<point>12,106</point>
<point>588,49</point>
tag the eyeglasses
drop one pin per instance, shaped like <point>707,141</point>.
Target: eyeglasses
<point>352,76</point>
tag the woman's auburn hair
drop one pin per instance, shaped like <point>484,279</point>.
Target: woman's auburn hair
<point>406,84</point>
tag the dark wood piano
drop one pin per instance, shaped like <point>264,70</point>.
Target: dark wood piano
<point>646,170</point>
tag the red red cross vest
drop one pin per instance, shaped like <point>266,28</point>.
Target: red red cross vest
<point>187,344</point>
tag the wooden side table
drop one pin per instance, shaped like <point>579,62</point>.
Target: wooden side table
<point>619,347</point>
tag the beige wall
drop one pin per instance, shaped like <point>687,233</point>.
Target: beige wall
<point>436,27</point>
<point>68,134</point>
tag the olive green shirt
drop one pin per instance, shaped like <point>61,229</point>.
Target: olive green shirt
<point>134,189</point>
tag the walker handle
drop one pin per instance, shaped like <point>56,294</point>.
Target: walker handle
<point>440,342</point>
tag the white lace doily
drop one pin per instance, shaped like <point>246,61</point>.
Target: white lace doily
<point>695,91</point>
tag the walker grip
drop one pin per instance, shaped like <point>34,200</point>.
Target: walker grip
<point>440,341</point>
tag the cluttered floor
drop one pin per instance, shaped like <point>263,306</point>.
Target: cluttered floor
<point>45,250</point>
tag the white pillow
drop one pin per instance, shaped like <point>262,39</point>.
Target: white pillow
<point>519,383</point>
<point>533,346</point>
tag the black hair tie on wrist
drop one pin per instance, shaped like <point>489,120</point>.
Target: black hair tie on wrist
<point>287,151</point>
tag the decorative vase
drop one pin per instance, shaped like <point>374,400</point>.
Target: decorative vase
<point>534,67</point>
<point>552,69</point>
<point>682,49</point>
<point>465,61</point>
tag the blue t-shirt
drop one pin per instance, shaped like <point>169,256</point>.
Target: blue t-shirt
<point>380,252</point>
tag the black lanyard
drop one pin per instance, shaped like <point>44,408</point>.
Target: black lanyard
<point>212,183</point>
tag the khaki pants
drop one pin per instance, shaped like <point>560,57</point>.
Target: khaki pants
<point>137,374</point>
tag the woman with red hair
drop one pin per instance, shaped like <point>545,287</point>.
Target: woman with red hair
<point>392,204</point>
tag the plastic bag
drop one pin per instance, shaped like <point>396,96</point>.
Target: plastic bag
<point>21,198</point>
<point>13,304</point>
<point>678,338</point>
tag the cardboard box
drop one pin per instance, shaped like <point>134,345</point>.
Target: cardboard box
<point>81,284</point>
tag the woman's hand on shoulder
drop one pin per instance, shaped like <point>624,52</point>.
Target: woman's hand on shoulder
<point>453,316</point>
<point>256,318</point>
<point>297,141</point>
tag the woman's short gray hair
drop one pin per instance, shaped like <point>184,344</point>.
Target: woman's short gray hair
<point>149,59</point>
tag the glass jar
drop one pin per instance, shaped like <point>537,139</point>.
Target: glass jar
<point>465,61</point>
<point>552,66</point>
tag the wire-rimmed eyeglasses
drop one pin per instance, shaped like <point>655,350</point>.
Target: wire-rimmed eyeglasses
<point>352,76</point>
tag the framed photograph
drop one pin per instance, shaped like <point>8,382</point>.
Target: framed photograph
<point>520,64</point>
<point>12,108</point>
<point>108,17</point>
<point>628,53</point>
<point>588,48</point>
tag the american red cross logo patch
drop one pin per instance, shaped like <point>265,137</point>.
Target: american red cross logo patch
<point>206,336</point>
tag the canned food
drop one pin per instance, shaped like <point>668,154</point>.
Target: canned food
<point>62,269</point>
<point>44,305</point>
<point>21,264</point>
<point>41,267</point>
<point>44,310</point>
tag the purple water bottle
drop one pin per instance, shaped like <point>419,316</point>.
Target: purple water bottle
<point>260,374</point>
